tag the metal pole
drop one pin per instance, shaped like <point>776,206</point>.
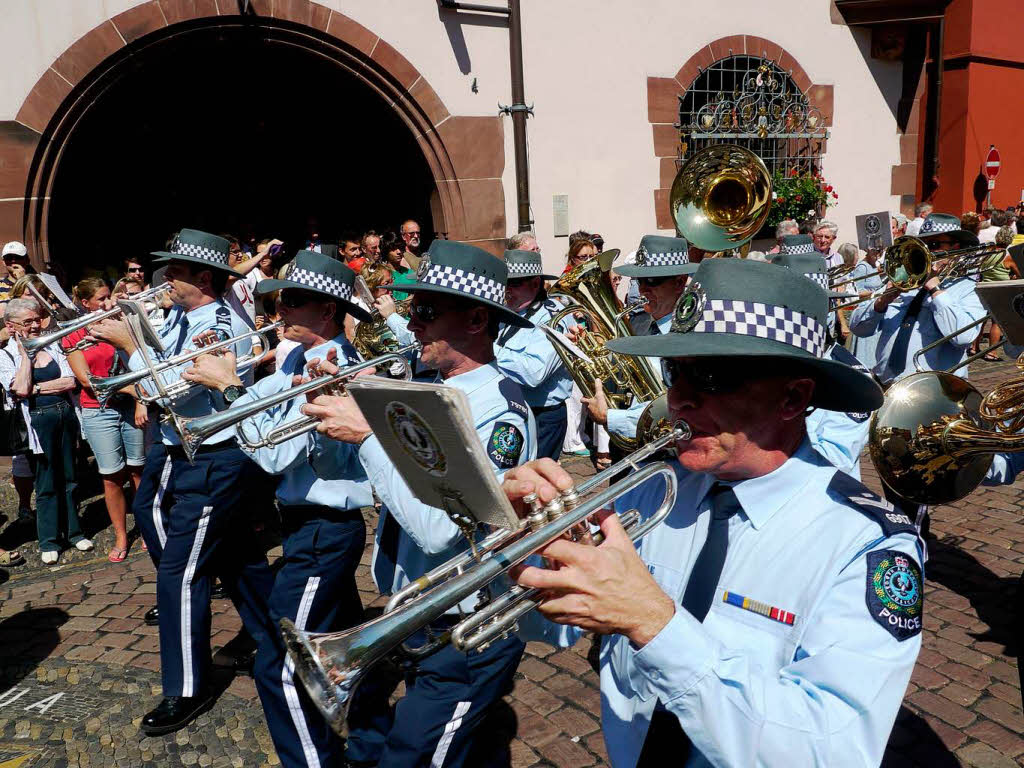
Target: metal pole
<point>519,115</point>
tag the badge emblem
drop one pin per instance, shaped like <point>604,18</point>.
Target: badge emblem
<point>421,270</point>
<point>894,595</point>
<point>642,257</point>
<point>505,445</point>
<point>416,438</point>
<point>872,226</point>
<point>689,309</point>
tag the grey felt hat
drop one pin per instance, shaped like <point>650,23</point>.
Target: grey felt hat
<point>523,264</point>
<point>199,248</point>
<point>812,266</point>
<point>945,223</point>
<point>319,273</point>
<point>796,244</point>
<point>460,269</point>
<point>740,308</point>
<point>659,256</point>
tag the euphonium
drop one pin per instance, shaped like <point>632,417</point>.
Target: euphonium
<point>625,379</point>
<point>373,338</point>
<point>331,665</point>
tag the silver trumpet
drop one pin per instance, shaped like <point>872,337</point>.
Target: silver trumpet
<point>331,665</point>
<point>197,429</point>
<point>36,343</point>
<point>104,387</point>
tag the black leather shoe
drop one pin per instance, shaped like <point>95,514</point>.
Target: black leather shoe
<point>218,592</point>
<point>174,713</point>
<point>152,617</point>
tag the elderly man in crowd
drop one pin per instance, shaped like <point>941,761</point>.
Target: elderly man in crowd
<point>411,236</point>
<point>782,229</point>
<point>824,234</point>
<point>921,212</point>
<point>522,241</point>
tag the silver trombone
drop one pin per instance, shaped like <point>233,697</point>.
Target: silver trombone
<point>195,430</point>
<point>104,387</point>
<point>331,665</point>
<point>66,327</point>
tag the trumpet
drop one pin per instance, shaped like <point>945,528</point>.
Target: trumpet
<point>33,345</point>
<point>331,665</point>
<point>195,430</point>
<point>104,387</point>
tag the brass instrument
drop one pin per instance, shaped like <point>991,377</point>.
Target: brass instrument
<point>373,338</point>
<point>195,430</point>
<point>331,665</point>
<point>721,197</point>
<point>625,379</point>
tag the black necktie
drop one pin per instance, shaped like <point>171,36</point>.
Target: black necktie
<point>653,331</point>
<point>700,589</point>
<point>898,357</point>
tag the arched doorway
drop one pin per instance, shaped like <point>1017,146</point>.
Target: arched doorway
<point>222,129</point>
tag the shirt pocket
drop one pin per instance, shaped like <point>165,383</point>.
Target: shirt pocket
<point>749,628</point>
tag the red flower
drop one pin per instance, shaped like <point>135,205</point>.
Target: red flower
<point>828,187</point>
<point>798,198</point>
<point>780,199</point>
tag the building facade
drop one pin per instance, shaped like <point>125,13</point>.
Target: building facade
<point>122,120</point>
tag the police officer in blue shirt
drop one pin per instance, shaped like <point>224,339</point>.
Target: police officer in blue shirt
<point>661,269</point>
<point>320,494</point>
<point>906,321</point>
<point>527,356</point>
<point>775,617</point>
<point>458,306</point>
<point>840,436</point>
<point>186,509</point>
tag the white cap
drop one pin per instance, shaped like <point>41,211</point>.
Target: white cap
<point>14,248</point>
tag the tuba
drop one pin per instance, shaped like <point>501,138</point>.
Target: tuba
<point>625,379</point>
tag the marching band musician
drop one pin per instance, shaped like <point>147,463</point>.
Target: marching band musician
<point>775,617</point>
<point>320,494</point>
<point>906,321</point>
<point>661,270</point>
<point>183,509</point>
<point>839,436</point>
<point>457,308</point>
<point>528,357</point>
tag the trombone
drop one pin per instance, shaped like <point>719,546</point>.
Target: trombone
<point>104,387</point>
<point>66,327</point>
<point>195,430</point>
<point>331,664</point>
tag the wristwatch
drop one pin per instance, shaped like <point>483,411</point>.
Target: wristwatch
<point>232,392</point>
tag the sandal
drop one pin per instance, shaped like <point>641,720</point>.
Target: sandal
<point>603,460</point>
<point>117,554</point>
<point>11,558</point>
<point>991,357</point>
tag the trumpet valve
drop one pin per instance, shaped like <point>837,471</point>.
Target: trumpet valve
<point>537,516</point>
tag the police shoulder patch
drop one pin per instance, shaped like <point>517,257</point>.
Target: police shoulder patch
<point>505,445</point>
<point>223,314</point>
<point>858,416</point>
<point>513,393</point>
<point>852,493</point>
<point>895,592</point>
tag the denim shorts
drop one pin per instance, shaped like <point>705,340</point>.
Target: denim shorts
<point>113,437</point>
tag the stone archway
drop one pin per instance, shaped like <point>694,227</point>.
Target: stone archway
<point>465,154</point>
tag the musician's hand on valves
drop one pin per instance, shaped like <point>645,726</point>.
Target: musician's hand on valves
<point>213,371</point>
<point>544,477</point>
<point>605,589</point>
<point>575,333</point>
<point>113,332</point>
<point>340,418</point>
<point>205,339</point>
<point>385,305</point>
<point>597,405</point>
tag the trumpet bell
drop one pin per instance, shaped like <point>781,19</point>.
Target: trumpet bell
<point>721,197</point>
<point>913,438</point>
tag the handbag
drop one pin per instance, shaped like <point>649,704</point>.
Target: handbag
<point>13,429</point>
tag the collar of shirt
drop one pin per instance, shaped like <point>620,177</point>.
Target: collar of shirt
<point>471,381</point>
<point>664,325</point>
<point>199,313</point>
<point>763,496</point>
<point>321,350</point>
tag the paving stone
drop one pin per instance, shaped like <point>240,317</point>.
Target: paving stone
<point>983,756</point>
<point>997,737</point>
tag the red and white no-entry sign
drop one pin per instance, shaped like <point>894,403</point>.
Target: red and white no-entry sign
<point>992,162</point>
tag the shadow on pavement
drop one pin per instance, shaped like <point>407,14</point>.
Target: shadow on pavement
<point>27,639</point>
<point>915,743</point>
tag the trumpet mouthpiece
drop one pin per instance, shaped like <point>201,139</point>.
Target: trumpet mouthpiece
<point>681,431</point>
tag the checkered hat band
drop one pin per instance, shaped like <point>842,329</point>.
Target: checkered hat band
<point>523,268</point>
<point>821,278</point>
<point>199,251</point>
<point>465,282</point>
<point>790,250</point>
<point>765,321</point>
<point>667,259</point>
<point>932,227</point>
<point>320,282</point>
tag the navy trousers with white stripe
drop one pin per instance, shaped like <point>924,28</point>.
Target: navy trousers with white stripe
<point>185,511</point>
<point>446,696</point>
<point>315,588</point>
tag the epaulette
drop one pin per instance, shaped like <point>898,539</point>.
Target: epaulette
<point>223,314</point>
<point>852,493</point>
<point>841,354</point>
<point>512,392</point>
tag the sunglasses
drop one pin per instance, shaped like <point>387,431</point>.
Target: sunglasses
<point>294,299</point>
<point>426,313</point>
<point>707,376</point>
<point>135,269</point>
<point>653,282</point>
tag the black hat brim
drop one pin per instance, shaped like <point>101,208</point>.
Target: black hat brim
<point>506,315</point>
<point>271,285</point>
<point>165,256</point>
<point>668,270</point>
<point>838,387</point>
<point>966,239</point>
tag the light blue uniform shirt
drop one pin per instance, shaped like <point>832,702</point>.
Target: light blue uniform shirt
<point>862,268</point>
<point>623,421</point>
<point>750,690</point>
<point>176,335</point>
<point>427,537</point>
<point>525,355</point>
<point>837,435</point>
<point>325,472</point>
<point>957,306</point>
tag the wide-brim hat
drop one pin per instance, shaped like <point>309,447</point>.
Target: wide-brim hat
<point>198,248</point>
<point>812,266</point>
<point>659,256</point>
<point>319,273</point>
<point>943,224</point>
<point>740,308</point>
<point>793,245</point>
<point>460,269</point>
<point>525,264</point>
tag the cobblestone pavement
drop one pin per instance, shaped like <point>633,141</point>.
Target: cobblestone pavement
<point>78,668</point>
